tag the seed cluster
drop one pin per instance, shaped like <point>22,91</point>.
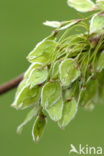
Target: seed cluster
<point>66,71</point>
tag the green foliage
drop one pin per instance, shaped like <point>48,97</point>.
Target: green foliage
<point>37,76</point>
<point>55,70</point>
<point>61,25</point>
<point>97,22</point>
<point>27,97</point>
<point>38,127</point>
<point>69,111</point>
<point>51,92</point>
<point>88,91</point>
<point>55,112</point>
<point>43,52</point>
<point>82,5</point>
<point>100,64</point>
<point>100,4</point>
<point>30,115</point>
<point>66,71</point>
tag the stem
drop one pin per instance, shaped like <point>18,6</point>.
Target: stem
<point>11,84</point>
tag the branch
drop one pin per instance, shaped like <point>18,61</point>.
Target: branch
<point>11,84</point>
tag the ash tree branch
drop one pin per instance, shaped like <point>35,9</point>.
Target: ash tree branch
<point>11,84</point>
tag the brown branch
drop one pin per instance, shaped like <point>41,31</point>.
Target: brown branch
<point>11,84</point>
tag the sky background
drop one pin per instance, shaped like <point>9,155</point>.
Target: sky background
<point>20,29</point>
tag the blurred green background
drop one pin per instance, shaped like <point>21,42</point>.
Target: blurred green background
<point>20,29</point>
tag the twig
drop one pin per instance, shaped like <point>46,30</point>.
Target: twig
<point>11,84</point>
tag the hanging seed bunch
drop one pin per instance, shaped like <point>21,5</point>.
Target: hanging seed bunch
<point>66,71</point>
